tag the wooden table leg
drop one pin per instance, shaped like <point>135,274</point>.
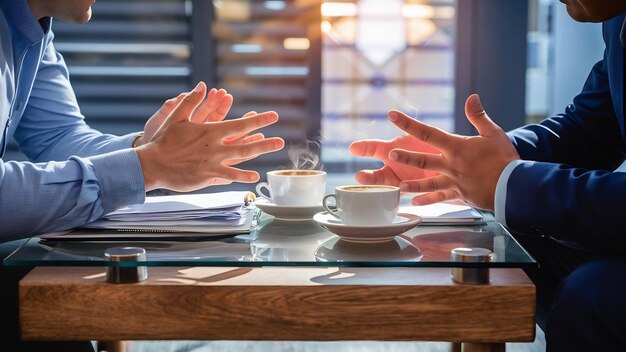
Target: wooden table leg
<point>455,347</point>
<point>111,346</point>
<point>484,347</point>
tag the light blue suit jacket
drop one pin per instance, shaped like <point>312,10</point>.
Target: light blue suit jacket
<point>92,173</point>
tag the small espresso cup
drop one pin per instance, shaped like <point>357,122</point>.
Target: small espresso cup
<point>363,205</point>
<point>294,187</point>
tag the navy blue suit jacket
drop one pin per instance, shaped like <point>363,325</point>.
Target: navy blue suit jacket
<point>571,193</point>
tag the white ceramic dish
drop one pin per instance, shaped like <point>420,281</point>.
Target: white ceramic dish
<point>367,234</point>
<point>288,212</point>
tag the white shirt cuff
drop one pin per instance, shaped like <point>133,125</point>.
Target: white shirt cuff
<point>621,168</point>
<point>500,198</point>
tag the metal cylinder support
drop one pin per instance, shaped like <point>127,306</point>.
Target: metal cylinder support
<point>471,276</point>
<point>126,274</point>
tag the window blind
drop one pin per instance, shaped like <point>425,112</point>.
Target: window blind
<point>134,54</point>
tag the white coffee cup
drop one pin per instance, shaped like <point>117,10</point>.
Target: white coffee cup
<point>363,205</point>
<point>294,187</point>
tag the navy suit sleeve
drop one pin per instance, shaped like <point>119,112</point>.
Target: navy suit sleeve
<point>586,135</point>
<point>570,192</point>
<point>569,204</point>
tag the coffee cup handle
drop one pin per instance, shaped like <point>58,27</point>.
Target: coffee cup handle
<point>330,211</point>
<point>259,191</point>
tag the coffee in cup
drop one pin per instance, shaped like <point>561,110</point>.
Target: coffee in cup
<point>365,205</point>
<point>294,187</point>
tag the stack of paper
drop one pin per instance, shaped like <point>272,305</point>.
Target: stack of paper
<point>445,214</point>
<point>220,213</point>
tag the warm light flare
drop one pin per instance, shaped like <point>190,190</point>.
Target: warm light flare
<point>338,9</point>
<point>326,26</point>
<point>296,43</point>
<point>418,11</point>
<point>428,12</point>
<point>95,276</point>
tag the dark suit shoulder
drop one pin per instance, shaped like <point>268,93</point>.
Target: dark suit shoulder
<point>612,29</point>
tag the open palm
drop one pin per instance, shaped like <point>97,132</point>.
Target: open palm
<point>393,172</point>
<point>214,108</point>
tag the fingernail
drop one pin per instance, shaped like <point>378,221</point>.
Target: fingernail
<point>404,187</point>
<point>393,155</point>
<point>198,89</point>
<point>415,202</point>
<point>478,106</point>
<point>278,143</point>
<point>393,116</point>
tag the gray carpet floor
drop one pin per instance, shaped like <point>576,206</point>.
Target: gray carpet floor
<point>310,346</point>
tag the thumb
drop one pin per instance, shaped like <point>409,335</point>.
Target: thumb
<point>169,106</point>
<point>478,117</point>
<point>189,103</point>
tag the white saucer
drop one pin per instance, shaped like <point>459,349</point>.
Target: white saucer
<point>288,212</point>
<point>367,234</point>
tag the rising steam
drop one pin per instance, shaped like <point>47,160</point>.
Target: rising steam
<point>305,156</point>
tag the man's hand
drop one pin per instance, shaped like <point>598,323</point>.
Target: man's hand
<point>238,140</point>
<point>214,108</point>
<point>393,172</point>
<point>469,167</point>
<point>185,155</point>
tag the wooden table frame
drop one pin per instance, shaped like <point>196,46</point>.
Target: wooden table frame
<point>279,303</point>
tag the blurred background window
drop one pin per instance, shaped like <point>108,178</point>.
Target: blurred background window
<point>132,56</point>
<point>331,69</point>
<point>128,60</point>
<point>268,57</point>
<point>379,55</point>
<point>557,67</point>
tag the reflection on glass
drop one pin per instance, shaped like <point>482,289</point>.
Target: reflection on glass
<point>286,243</point>
<point>155,250</point>
<point>437,245</point>
<point>398,249</point>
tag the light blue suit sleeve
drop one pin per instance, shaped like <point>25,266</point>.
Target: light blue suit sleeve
<point>52,127</point>
<point>93,174</point>
<point>55,196</point>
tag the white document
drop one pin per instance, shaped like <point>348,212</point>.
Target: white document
<point>214,213</point>
<point>445,214</point>
<point>184,203</point>
<point>218,227</point>
<point>226,214</point>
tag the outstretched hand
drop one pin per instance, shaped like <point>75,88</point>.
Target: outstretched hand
<point>469,167</point>
<point>184,155</point>
<point>393,172</point>
<point>214,108</point>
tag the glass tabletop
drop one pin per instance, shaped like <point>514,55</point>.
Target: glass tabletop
<point>285,243</point>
